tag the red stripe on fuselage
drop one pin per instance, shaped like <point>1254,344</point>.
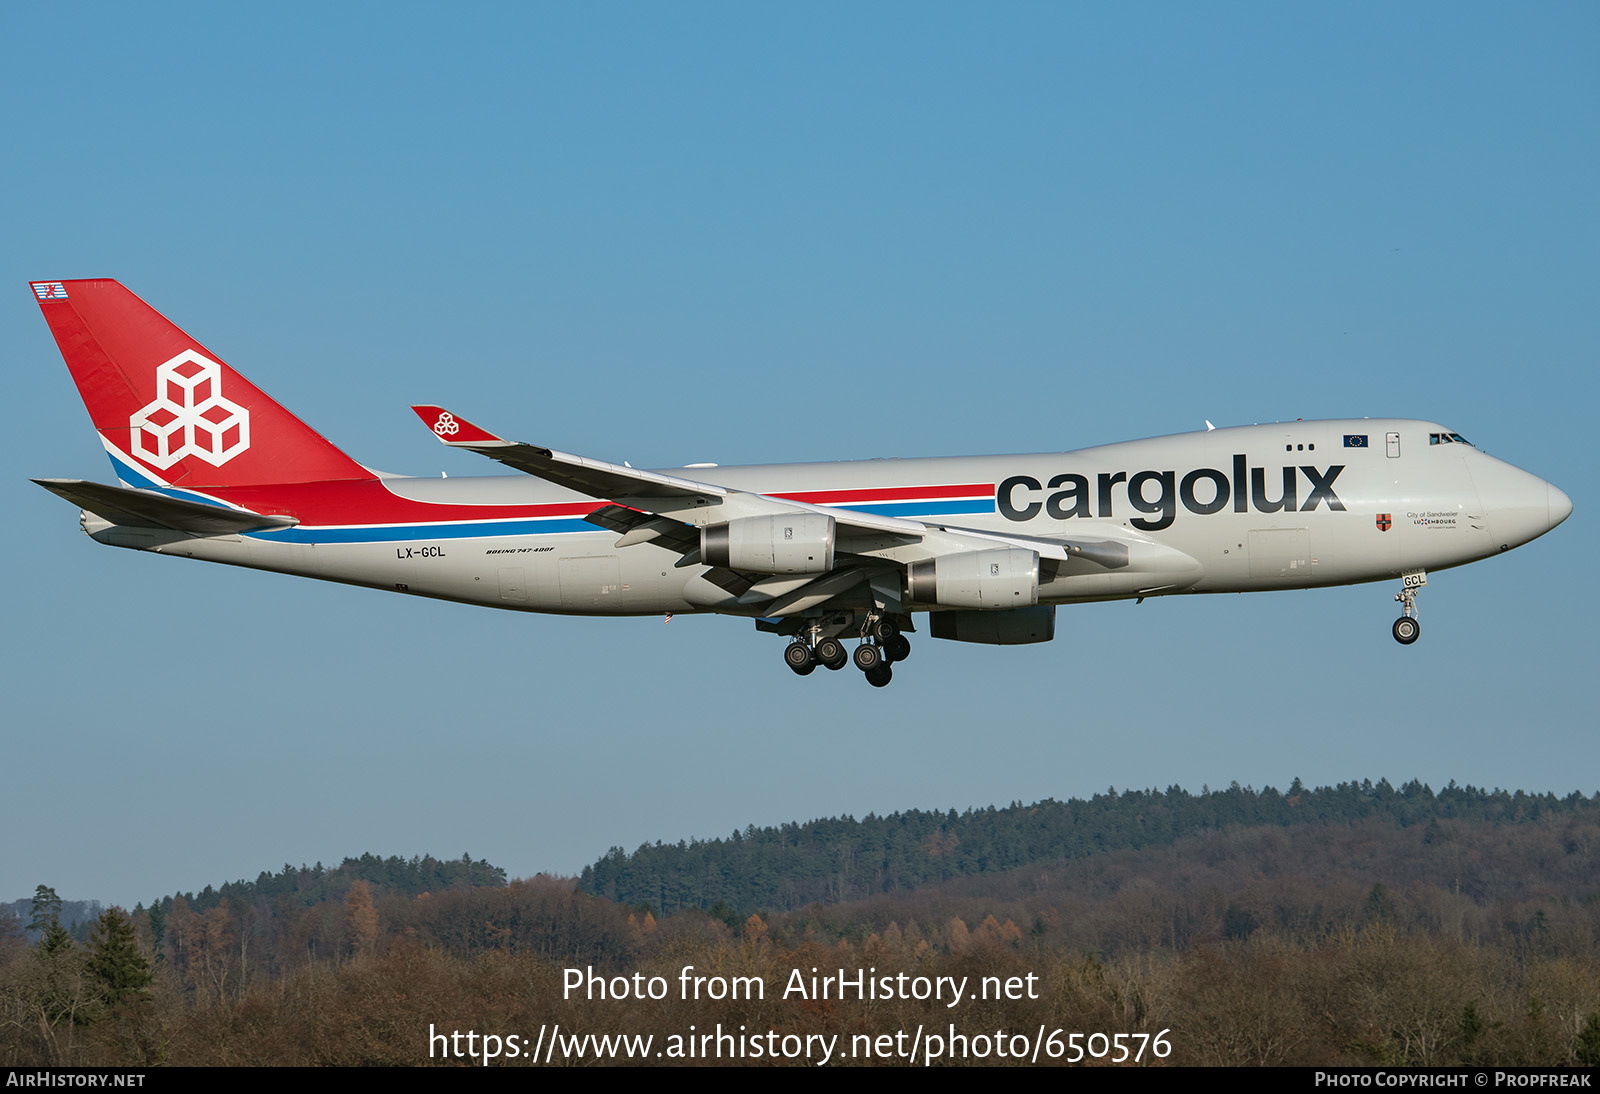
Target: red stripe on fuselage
<point>368,502</point>
<point>894,493</point>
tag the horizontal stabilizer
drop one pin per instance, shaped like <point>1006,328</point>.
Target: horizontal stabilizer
<point>144,509</point>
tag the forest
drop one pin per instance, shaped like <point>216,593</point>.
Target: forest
<point>1356,924</point>
<point>841,859</point>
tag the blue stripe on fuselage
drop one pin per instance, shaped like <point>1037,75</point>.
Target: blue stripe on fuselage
<point>923,508</point>
<point>383,533</point>
<point>128,475</point>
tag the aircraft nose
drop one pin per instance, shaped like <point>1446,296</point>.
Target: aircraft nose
<point>1560,504</point>
<point>1520,506</point>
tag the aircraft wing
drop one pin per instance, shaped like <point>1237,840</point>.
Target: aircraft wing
<point>647,506</point>
<point>620,483</point>
<point>147,509</point>
<point>638,526</point>
<point>596,478</point>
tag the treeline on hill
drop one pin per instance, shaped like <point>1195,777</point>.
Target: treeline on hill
<point>842,859</point>
<point>1442,936</point>
<point>308,885</point>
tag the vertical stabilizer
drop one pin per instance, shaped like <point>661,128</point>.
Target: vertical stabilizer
<point>168,409</point>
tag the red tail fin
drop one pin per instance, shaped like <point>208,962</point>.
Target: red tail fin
<point>168,407</point>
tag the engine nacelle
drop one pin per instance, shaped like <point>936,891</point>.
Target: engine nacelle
<point>794,543</point>
<point>1018,627</point>
<point>1007,577</point>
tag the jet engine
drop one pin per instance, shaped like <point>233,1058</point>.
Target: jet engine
<point>791,543</point>
<point>1007,577</point>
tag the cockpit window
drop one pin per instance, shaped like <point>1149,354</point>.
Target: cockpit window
<point>1448,438</point>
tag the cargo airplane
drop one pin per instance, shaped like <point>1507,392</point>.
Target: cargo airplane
<point>209,467</point>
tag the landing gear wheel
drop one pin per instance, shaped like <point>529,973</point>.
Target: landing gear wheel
<point>1406,628</point>
<point>880,676</point>
<point>884,630</point>
<point>797,655</point>
<point>831,652</point>
<point>869,657</point>
<point>898,648</point>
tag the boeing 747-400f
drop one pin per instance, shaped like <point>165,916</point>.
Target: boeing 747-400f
<point>209,467</point>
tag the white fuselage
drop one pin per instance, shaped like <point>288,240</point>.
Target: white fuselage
<point>1281,506</point>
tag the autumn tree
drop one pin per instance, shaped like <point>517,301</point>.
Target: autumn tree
<point>202,949</point>
<point>360,919</point>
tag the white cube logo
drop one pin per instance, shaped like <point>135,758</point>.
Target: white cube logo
<point>189,416</point>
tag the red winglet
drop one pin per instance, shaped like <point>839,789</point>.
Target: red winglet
<point>451,429</point>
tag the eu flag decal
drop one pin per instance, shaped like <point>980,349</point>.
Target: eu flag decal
<point>1355,440</point>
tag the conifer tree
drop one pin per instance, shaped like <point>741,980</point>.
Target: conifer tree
<point>1588,1044</point>
<point>158,931</point>
<point>46,909</point>
<point>116,961</point>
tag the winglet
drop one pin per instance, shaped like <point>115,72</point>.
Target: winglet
<point>455,430</point>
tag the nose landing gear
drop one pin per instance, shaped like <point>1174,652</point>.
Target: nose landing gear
<point>1407,629</point>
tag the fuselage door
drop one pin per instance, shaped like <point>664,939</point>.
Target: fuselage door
<point>512,586</point>
<point>1280,556</point>
<point>1392,442</point>
<point>590,582</point>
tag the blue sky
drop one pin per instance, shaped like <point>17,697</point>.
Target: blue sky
<point>748,234</point>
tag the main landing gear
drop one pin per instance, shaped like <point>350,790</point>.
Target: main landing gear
<point>1407,629</point>
<point>882,644</point>
<point>804,657</point>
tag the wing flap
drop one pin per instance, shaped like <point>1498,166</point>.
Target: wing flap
<point>815,593</point>
<point>637,526</point>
